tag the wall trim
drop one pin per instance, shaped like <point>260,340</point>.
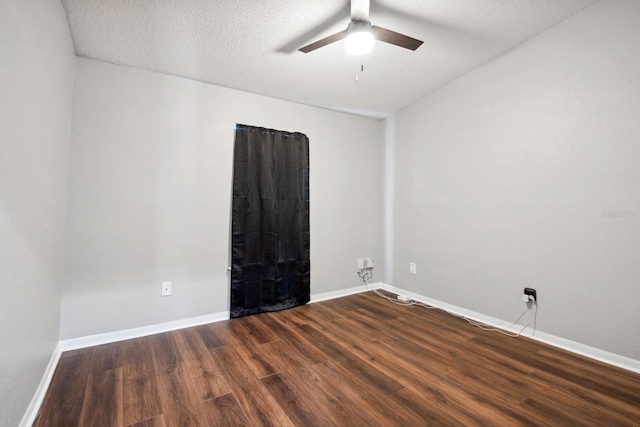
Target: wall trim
<point>143,331</point>
<point>563,343</point>
<point>109,337</point>
<point>342,292</point>
<point>31,413</point>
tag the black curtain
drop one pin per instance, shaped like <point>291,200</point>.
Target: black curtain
<point>270,268</point>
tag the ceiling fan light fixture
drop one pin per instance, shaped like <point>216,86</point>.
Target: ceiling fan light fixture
<point>359,40</point>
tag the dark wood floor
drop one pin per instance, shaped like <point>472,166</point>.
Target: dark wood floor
<point>353,361</point>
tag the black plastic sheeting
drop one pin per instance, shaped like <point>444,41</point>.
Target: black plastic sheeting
<point>270,268</point>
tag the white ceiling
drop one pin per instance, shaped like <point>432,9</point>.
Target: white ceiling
<point>251,45</point>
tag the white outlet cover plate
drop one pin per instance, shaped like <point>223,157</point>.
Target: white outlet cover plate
<point>412,268</point>
<point>166,289</point>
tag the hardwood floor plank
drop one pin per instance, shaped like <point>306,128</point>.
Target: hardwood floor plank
<point>339,355</point>
<point>290,318</point>
<point>374,402</point>
<point>416,351</point>
<point>449,336</point>
<point>276,328</point>
<point>256,359</point>
<point>543,413</point>
<point>451,326</point>
<point>209,336</point>
<point>344,404</point>
<point>371,303</point>
<point>310,353</point>
<point>596,369</point>
<point>204,372</point>
<point>471,361</point>
<point>603,378</point>
<point>141,398</point>
<point>425,377</point>
<point>324,313</point>
<point>457,347</point>
<point>477,390</point>
<point>151,422</point>
<point>273,356</point>
<point>138,356</point>
<point>282,356</point>
<point>596,399</point>
<point>65,398</point>
<point>164,350</point>
<point>430,413</point>
<point>429,346</point>
<point>225,411</point>
<point>347,304</point>
<point>180,405</point>
<point>107,357</point>
<point>258,331</point>
<point>255,400</point>
<point>103,403</point>
<point>231,332</point>
<point>299,405</point>
<point>76,352</point>
<point>569,372</point>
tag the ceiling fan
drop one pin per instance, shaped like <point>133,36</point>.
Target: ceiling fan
<point>360,34</point>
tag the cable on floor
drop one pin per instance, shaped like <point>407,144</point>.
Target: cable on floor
<point>365,276</point>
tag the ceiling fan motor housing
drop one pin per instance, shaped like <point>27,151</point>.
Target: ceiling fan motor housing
<point>359,37</point>
<point>357,26</point>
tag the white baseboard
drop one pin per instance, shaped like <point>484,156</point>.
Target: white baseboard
<point>109,337</point>
<point>572,346</point>
<point>31,413</point>
<point>342,292</point>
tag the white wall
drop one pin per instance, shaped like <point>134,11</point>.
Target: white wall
<point>150,195</point>
<point>502,177</point>
<point>36,75</point>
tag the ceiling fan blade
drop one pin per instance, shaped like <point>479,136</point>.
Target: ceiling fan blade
<point>323,42</point>
<point>394,38</point>
<point>360,10</point>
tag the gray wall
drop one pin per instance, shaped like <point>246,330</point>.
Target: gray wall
<point>36,80</point>
<point>150,192</point>
<point>502,177</point>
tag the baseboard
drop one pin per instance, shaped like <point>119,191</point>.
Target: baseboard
<point>31,413</point>
<point>563,343</point>
<point>342,292</point>
<point>109,337</point>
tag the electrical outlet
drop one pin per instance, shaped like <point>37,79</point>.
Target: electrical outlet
<point>166,289</point>
<point>360,264</point>
<point>368,263</point>
<point>413,268</point>
<point>530,294</point>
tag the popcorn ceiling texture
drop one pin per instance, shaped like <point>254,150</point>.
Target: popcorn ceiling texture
<point>252,45</point>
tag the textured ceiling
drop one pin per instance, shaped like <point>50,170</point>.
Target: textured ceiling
<point>252,45</point>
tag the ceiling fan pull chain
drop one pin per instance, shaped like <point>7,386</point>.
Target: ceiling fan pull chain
<point>361,71</point>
